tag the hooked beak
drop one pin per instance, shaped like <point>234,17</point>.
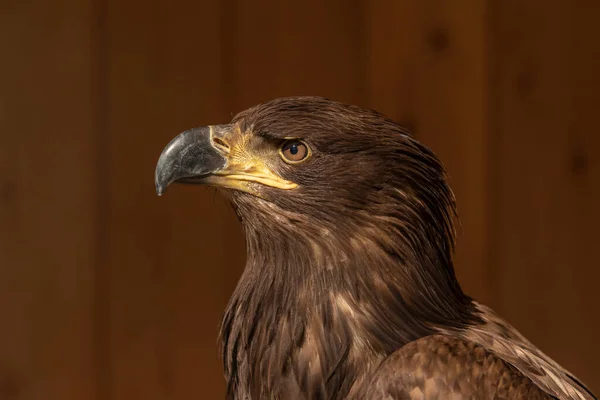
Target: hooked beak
<point>189,156</point>
<point>214,155</point>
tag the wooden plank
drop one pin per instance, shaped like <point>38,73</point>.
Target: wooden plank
<point>426,70</point>
<point>47,205</point>
<point>544,89</point>
<point>582,56</point>
<point>168,257</point>
<point>290,48</point>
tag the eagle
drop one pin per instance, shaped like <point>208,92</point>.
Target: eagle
<point>349,290</point>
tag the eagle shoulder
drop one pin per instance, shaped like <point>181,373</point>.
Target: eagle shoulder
<point>503,340</point>
<point>449,367</point>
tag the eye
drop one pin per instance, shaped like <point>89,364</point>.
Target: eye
<point>294,151</point>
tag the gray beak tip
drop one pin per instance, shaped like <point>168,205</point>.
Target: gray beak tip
<point>161,182</point>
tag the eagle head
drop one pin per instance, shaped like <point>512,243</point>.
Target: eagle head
<point>310,165</point>
<point>349,225</point>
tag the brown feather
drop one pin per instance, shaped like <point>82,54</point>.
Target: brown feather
<point>501,339</point>
<point>447,367</point>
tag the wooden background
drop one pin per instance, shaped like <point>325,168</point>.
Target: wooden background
<point>109,292</point>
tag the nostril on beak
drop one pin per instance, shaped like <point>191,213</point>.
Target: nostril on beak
<point>220,144</point>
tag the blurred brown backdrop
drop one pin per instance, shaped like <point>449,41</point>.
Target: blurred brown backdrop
<point>109,292</point>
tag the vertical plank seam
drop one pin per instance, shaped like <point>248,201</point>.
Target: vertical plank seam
<point>493,109</point>
<point>363,58</point>
<point>228,44</point>
<point>101,300</point>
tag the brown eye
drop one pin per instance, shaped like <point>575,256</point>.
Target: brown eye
<point>294,151</point>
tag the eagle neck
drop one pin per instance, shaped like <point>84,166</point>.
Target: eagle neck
<point>341,303</point>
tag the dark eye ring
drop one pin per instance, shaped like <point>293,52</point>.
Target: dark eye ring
<point>294,151</point>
